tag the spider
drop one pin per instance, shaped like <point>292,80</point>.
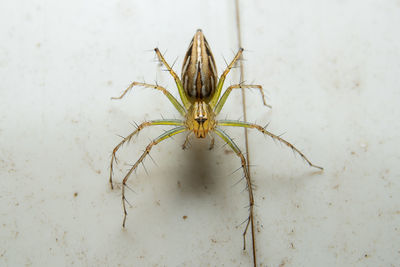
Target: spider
<point>200,92</point>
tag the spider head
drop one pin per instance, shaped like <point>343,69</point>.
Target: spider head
<point>200,119</point>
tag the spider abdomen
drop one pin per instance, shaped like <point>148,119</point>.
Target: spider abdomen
<point>199,73</point>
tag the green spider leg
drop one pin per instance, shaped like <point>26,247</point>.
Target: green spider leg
<point>250,219</point>
<point>171,98</point>
<point>227,92</point>
<point>273,136</point>
<point>178,82</point>
<point>217,93</point>
<point>129,137</point>
<point>157,140</point>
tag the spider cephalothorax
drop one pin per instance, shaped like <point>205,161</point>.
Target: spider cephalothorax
<point>200,119</point>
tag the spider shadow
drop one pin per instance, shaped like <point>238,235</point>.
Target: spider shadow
<point>199,169</point>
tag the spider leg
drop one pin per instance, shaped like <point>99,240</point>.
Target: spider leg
<point>171,98</point>
<point>178,82</point>
<point>224,97</point>
<point>249,186</point>
<point>221,80</point>
<point>185,144</point>
<point>273,136</point>
<point>157,140</point>
<point>212,141</point>
<point>129,137</point>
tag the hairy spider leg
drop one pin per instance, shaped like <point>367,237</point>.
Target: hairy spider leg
<point>217,93</point>
<point>187,142</point>
<point>129,137</point>
<point>184,98</point>
<point>273,136</point>
<point>249,186</point>
<point>171,98</point>
<point>224,97</point>
<point>212,141</point>
<point>155,141</point>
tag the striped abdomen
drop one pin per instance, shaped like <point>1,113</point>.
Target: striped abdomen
<point>199,73</point>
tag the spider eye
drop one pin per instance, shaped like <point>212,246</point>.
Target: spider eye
<point>201,119</point>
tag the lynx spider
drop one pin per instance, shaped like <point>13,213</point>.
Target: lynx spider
<point>200,93</point>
